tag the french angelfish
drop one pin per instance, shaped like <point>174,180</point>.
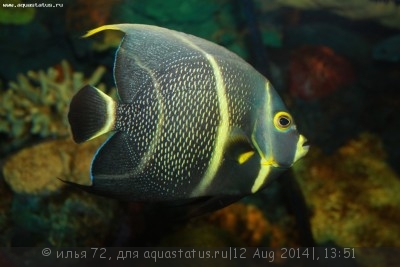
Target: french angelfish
<point>193,123</point>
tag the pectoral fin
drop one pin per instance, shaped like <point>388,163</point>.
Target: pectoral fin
<point>245,157</point>
<point>239,147</point>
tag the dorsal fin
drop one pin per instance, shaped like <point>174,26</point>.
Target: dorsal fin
<point>146,51</point>
<point>102,28</point>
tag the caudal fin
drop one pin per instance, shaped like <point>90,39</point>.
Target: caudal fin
<point>91,114</point>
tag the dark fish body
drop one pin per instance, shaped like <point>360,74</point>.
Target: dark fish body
<point>193,120</point>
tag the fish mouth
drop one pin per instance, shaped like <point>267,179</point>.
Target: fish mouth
<point>306,145</point>
<point>301,149</point>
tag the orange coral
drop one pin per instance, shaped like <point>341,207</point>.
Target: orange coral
<point>248,223</point>
<point>317,71</point>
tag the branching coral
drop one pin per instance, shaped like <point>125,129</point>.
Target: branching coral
<point>37,103</point>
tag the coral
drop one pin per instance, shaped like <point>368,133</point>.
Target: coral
<point>45,162</point>
<point>45,210</point>
<point>249,224</point>
<point>16,15</point>
<point>353,195</point>
<point>385,12</point>
<point>239,224</point>
<point>37,103</point>
<point>81,220</point>
<point>41,166</point>
<point>317,71</point>
<point>71,218</point>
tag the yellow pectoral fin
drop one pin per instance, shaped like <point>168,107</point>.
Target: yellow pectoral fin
<point>245,157</point>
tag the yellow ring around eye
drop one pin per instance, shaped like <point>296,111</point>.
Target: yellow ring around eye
<point>282,120</point>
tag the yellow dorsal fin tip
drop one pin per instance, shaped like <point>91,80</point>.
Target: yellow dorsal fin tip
<point>100,29</point>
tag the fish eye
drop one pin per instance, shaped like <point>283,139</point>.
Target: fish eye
<point>282,120</point>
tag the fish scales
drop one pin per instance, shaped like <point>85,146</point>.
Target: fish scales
<point>190,121</point>
<point>193,120</point>
<point>174,82</point>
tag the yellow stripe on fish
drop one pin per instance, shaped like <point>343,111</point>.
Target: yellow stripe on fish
<point>194,123</point>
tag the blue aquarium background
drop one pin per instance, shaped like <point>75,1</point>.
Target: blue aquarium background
<point>336,64</point>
